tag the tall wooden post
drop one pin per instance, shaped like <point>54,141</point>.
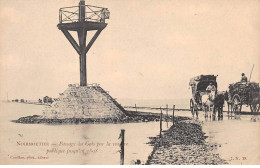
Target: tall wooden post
<point>82,35</point>
<point>122,145</point>
<point>173,108</point>
<point>82,10</point>
<point>228,108</point>
<point>167,115</point>
<point>161,123</point>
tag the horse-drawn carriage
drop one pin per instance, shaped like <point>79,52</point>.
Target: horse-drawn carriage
<point>203,99</point>
<point>244,93</point>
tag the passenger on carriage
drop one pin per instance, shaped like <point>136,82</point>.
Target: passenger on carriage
<point>212,89</point>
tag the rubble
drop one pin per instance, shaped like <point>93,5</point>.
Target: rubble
<point>131,117</point>
<point>183,144</point>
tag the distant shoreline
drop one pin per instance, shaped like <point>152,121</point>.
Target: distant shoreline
<point>170,109</point>
<point>34,103</point>
<point>148,108</point>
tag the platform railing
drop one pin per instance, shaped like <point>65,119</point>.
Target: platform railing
<point>92,14</point>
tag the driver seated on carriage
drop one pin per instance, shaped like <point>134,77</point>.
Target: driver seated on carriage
<point>243,78</point>
<point>212,90</point>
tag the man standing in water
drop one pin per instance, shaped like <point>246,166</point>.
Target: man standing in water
<point>243,78</point>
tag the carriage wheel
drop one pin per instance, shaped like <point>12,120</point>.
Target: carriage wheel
<point>254,107</point>
<point>236,104</point>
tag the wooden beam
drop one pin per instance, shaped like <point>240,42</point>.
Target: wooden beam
<point>93,40</point>
<point>161,123</point>
<point>71,40</point>
<point>122,145</point>
<point>75,26</point>
<point>82,10</point>
<point>82,35</point>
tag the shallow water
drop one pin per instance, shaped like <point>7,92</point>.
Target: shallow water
<point>237,139</point>
<point>136,135</point>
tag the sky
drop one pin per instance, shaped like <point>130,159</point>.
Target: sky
<point>149,50</point>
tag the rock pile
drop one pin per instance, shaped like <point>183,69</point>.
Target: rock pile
<point>184,144</point>
<point>133,117</point>
<point>84,102</point>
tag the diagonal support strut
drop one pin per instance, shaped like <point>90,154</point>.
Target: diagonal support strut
<point>71,40</point>
<point>93,40</point>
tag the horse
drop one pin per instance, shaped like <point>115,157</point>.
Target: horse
<point>208,102</point>
<point>218,105</point>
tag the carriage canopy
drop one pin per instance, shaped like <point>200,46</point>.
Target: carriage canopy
<point>201,82</point>
<point>199,85</point>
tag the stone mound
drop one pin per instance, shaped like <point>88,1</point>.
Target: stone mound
<point>84,102</point>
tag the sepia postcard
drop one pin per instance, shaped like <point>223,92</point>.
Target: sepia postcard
<point>129,82</point>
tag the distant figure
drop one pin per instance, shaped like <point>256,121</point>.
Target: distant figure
<point>243,78</point>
